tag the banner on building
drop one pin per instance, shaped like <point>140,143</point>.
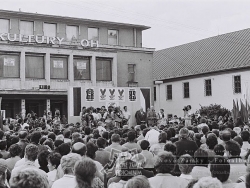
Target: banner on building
<point>9,62</point>
<point>102,94</point>
<point>111,94</point>
<point>132,95</point>
<point>90,94</point>
<point>121,94</point>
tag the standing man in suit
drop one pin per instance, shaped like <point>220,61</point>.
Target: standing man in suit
<point>140,116</point>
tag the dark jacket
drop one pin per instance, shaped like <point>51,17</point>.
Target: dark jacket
<point>185,146</point>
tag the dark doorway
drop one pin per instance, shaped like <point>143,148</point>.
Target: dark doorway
<point>60,105</point>
<point>36,106</point>
<point>11,107</point>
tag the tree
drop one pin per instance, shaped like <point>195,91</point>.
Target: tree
<point>213,110</point>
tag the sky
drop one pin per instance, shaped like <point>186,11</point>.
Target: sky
<point>172,22</point>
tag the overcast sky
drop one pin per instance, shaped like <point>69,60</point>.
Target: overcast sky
<point>172,22</point>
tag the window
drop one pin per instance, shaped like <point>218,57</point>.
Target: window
<point>34,66</point>
<point>113,37</point>
<point>131,72</point>
<point>58,67</point>
<point>49,30</point>
<point>186,89</point>
<point>103,70</point>
<point>72,32</point>
<point>81,68</point>
<point>169,92</point>
<point>9,65</point>
<point>208,87</point>
<point>26,28</point>
<point>237,84</point>
<point>93,34</point>
<point>154,93</point>
<point>5,25</point>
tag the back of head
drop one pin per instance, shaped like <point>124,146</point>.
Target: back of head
<point>22,134</point>
<point>165,162</point>
<point>144,144</point>
<point>170,148</point>
<point>85,170</point>
<point>3,144</point>
<point>91,149</point>
<point>219,150</point>
<point>66,133</point>
<point>131,136</point>
<point>87,130</point>
<point>226,135</point>
<point>186,163</point>
<point>1,134</point>
<point>138,182</point>
<point>220,169</point>
<point>201,157</point>
<point>233,148</point>
<point>35,137</point>
<point>162,138</point>
<point>239,140</point>
<point>68,162</point>
<point>31,152</point>
<point>211,140</point>
<point>64,149</point>
<point>245,136</point>
<point>29,178</point>
<point>101,142</point>
<point>203,120</point>
<point>184,133</point>
<point>79,148</point>
<point>208,182</point>
<point>115,138</point>
<point>15,150</point>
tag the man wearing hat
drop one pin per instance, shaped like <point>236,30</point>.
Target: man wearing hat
<point>184,145</point>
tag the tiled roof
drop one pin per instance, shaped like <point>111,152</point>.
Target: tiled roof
<point>219,53</point>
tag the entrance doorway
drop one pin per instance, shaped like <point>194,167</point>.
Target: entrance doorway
<point>60,105</point>
<point>36,106</point>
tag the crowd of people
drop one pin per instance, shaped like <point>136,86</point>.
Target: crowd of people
<point>106,150</point>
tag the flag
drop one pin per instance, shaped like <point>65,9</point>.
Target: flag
<point>234,112</point>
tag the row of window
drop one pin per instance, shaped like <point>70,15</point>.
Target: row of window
<point>35,67</point>
<point>50,29</point>
<point>207,88</point>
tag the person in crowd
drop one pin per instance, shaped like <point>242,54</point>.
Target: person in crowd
<point>170,148</point>
<point>208,182</point>
<point>245,135</point>
<point>162,118</point>
<point>164,164</point>
<point>149,165</point>
<point>219,150</point>
<point>184,145</point>
<point>156,148</point>
<point>140,116</point>
<point>23,142</point>
<point>67,134</point>
<point>152,135</point>
<point>131,144</point>
<point>151,117</point>
<point>202,124</point>
<point>43,160</point>
<point>201,167</point>
<point>31,153</point>
<point>139,181</point>
<point>91,153</point>
<point>186,164</point>
<point>102,155</point>
<point>126,116</point>
<point>85,174</point>
<point>220,169</point>
<point>4,174</point>
<point>15,153</point>
<point>237,166</point>
<point>211,142</point>
<point>68,180</point>
<point>187,115</point>
<point>29,178</point>
<point>3,147</point>
<point>115,139</point>
<point>53,163</point>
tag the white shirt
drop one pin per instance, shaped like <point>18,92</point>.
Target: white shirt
<point>67,181</point>
<point>22,162</point>
<point>52,177</point>
<point>126,114</point>
<point>25,125</point>
<point>152,136</point>
<point>200,172</point>
<point>167,181</point>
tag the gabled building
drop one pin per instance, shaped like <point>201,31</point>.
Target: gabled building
<point>41,56</point>
<point>208,71</point>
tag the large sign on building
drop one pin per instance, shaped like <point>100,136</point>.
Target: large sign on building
<point>39,39</point>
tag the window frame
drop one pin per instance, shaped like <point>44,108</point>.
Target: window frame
<point>44,23</point>
<point>208,87</point>
<point>9,24</point>
<point>237,89</point>
<point>168,95</point>
<point>111,68</point>
<point>33,27</point>
<point>134,72</point>
<point>78,32</point>
<point>82,58</point>
<point>186,88</point>
<point>18,55</point>
<point>36,55</point>
<point>59,56</point>
<point>98,32</point>
<point>117,38</point>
